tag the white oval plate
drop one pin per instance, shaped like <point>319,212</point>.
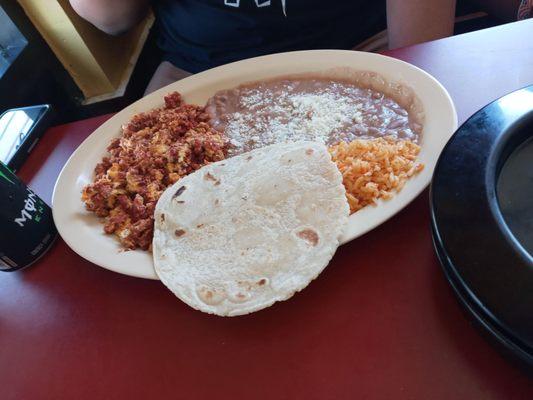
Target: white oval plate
<point>83,232</point>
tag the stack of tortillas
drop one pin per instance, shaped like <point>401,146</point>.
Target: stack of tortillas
<point>238,235</point>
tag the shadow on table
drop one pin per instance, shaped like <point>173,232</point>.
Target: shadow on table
<point>490,362</point>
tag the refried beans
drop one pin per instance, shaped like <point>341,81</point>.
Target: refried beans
<point>314,108</point>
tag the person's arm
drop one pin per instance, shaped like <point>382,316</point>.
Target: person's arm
<point>111,16</point>
<point>416,21</point>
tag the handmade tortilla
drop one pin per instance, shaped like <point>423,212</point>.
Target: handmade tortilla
<point>240,234</point>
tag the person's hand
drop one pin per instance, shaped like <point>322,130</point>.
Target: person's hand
<point>111,16</point>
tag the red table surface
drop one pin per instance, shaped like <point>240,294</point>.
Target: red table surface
<point>381,322</point>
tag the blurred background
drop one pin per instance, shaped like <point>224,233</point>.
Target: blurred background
<point>48,54</point>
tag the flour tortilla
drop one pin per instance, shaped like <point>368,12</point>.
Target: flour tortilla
<point>240,234</point>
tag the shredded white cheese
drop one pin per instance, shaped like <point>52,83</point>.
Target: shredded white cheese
<point>291,117</point>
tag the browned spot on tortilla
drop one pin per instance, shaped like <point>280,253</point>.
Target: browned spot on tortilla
<point>262,282</point>
<point>240,296</point>
<point>180,201</point>
<point>179,192</point>
<point>199,225</point>
<point>309,152</point>
<point>209,177</point>
<point>249,158</point>
<point>179,232</point>
<point>162,217</point>
<point>309,235</point>
<point>216,201</point>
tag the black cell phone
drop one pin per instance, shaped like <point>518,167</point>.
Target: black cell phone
<point>20,129</point>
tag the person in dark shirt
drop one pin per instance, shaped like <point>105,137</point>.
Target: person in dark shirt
<point>199,34</point>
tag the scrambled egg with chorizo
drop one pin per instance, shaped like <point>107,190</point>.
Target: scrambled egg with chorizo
<point>155,149</point>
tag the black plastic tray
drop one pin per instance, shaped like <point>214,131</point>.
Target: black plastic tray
<point>489,269</point>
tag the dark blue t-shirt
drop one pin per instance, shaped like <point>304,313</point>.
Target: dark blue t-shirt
<point>199,34</point>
